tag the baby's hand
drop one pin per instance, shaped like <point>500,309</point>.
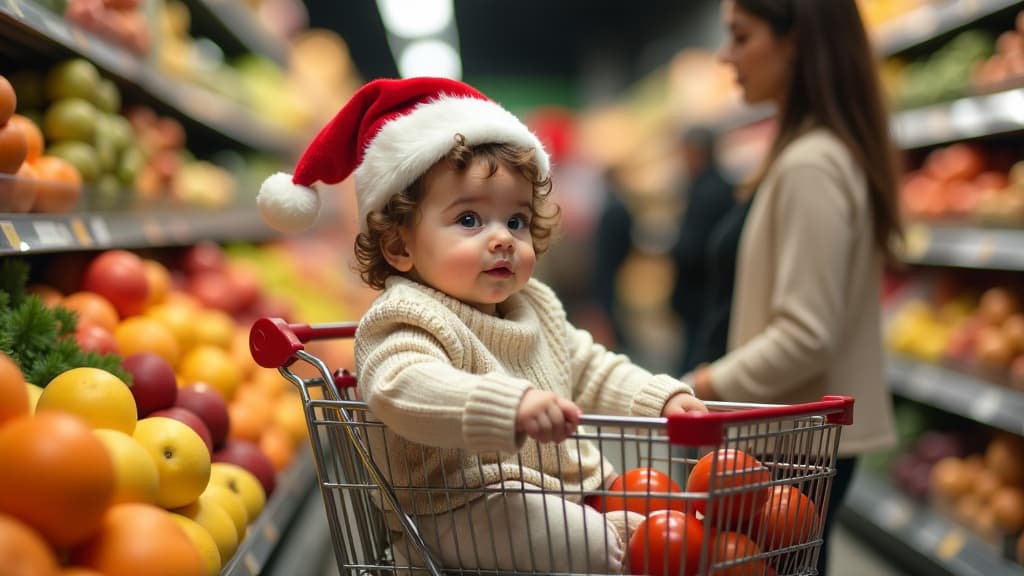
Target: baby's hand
<point>683,402</point>
<point>546,416</point>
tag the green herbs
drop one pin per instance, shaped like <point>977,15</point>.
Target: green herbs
<point>41,340</point>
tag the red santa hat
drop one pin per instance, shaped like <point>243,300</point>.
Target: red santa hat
<point>389,133</point>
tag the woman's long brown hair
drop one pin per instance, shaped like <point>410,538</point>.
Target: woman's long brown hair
<point>835,84</point>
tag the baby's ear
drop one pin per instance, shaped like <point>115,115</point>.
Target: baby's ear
<point>396,254</point>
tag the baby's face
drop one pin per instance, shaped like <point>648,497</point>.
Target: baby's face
<point>472,238</point>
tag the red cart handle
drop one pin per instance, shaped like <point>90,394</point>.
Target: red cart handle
<point>693,429</point>
<point>274,342</point>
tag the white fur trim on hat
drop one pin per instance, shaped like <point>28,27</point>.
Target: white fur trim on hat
<point>408,146</point>
<point>286,206</point>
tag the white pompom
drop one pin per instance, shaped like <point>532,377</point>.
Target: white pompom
<point>286,206</point>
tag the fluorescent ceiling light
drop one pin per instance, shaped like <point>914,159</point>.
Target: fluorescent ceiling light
<point>430,58</point>
<point>416,18</point>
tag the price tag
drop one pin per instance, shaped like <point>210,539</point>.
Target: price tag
<point>985,249</point>
<point>894,513</point>
<point>270,533</point>
<point>81,232</point>
<point>951,545</point>
<point>918,239</point>
<point>11,234</point>
<point>80,39</point>
<point>152,231</point>
<point>100,231</point>
<point>13,5</point>
<point>251,563</point>
<point>53,234</point>
<point>985,406</point>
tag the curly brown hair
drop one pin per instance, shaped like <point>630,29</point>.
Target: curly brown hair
<point>382,227</point>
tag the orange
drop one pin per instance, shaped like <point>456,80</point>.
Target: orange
<point>23,552</point>
<point>98,397</point>
<point>14,400</point>
<point>213,365</point>
<point>278,445</point>
<point>33,136</point>
<point>159,280</point>
<point>178,317</point>
<point>208,514</point>
<point>182,459</point>
<point>249,416</point>
<point>144,334</point>
<point>215,327</point>
<point>203,542</point>
<point>289,415</point>
<point>241,354</point>
<point>270,381</point>
<point>241,482</point>
<point>57,476</point>
<point>140,539</point>
<point>59,185</point>
<point>79,571</point>
<point>92,309</point>
<point>137,479</point>
<point>50,295</point>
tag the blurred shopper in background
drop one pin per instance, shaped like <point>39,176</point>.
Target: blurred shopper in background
<point>823,221</point>
<point>702,294</point>
<point>614,238</point>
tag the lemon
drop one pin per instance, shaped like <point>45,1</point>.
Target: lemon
<point>203,542</point>
<point>136,476</point>
<point>94,395</point>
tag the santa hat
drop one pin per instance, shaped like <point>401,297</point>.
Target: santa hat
<point>389,133</point>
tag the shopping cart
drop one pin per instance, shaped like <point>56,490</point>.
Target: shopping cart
<point>753,478</point>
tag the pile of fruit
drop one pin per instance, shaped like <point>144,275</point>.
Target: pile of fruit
<point>178,442</point>
<point>748,528</point>
<point>1006,66</point>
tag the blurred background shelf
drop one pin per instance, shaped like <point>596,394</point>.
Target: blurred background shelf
<point>958,393</point>
<point>236,29</point>
<point>964,246</point>
<point>935,20</point>
<point>914,535</point>
<point>965,118</point>
<point>26,24</point>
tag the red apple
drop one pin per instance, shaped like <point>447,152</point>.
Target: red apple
<point>203,257</point>
<point>154,384</point>
<point>120,277</point>
<point>93,338</point>
<point>214,290</point>
<point>207,403</point>
<point>249,456</point>
<point>190,419</point>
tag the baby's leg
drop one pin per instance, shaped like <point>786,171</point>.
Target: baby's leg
<point>525,530</point>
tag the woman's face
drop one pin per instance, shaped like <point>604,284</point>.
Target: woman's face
<point>762,60</point>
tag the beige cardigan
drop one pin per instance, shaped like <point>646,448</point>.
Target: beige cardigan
<point>806,310</point>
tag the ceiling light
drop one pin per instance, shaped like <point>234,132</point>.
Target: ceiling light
<point>416,18</point>
<point>430,58</point>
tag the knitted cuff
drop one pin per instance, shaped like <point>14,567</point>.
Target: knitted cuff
<point>489,421</point>
<point>650,399</point>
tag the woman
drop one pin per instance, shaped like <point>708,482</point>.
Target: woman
<point>823,221</point>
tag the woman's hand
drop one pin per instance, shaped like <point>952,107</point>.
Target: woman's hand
<point>683,402</point>
<point>701,383</point>
<point>546,416</point>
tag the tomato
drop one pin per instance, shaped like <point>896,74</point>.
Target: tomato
<point>733,546</point>
<point>669,540</point>
<point>120,277</point>
<point>637,488</point>
<point>788,517</point>
<point>734,470</point>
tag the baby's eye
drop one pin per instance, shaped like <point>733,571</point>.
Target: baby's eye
<point>518,222</point>
<point>469,220</point>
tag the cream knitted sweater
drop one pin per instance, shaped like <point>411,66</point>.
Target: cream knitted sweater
<point>441,374</point>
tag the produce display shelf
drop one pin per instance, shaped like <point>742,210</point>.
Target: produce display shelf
<point>964,246</point>
<point>968,117</point>
<point>294,485</point>
<point>43,233</point>
<point>932,20</point>
<point>917,536</point>
<point>236,29</point>
<point>19,18</point>
<point>958,393</point>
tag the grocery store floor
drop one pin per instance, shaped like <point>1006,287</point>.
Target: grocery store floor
<point>850,556</point>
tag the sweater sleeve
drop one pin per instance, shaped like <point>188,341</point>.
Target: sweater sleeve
<point>412,387</point>
<point>610,384</point>
<point>812,218</point>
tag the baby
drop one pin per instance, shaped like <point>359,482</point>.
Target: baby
<point>464,355</point>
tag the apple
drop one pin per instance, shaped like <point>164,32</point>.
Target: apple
<point>203,256</point>
<point>93,338</point>
<point>189,418</point>
<point>154,384</point>
<point>120,277</point>
<point>208,403</point>
<point>249,456</point>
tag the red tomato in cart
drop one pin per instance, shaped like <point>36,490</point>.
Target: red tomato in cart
<point>732,548</point>
<point>733,470</point>
<point>788,517</point>
<point>665,543</point>
<point>636,492</point>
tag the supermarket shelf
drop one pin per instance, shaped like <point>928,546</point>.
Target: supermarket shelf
<point>235,29</point>
<point>969,117</point>
<point>964,246</point>
<point>958,393</point>
<point>915,535</point>
<point>40,233</point>
<point>932,20</point>
<point>293,487</point>
<point>230,119</point>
